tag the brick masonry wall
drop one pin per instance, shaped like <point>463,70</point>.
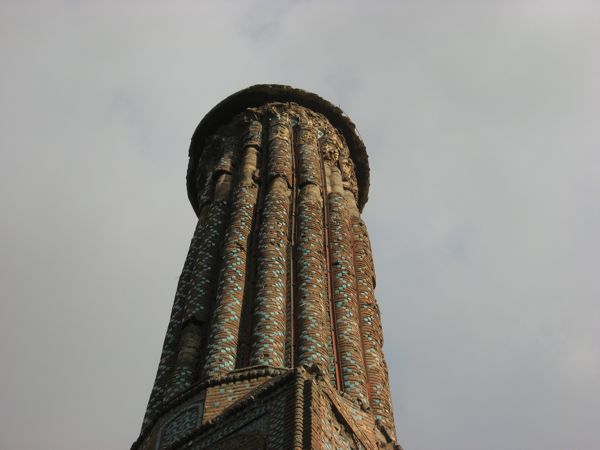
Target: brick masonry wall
<point>263,416</point>
<point>279,274</point>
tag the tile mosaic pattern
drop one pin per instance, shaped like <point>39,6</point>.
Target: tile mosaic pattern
<point>279,271</point>
<point>222,346</point>
<point>181,424</point>
<point>311,288</point>
<point>269,328</point>
<point>354,378</point>
<point>371,332</point>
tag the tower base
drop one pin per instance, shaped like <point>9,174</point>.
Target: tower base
<point>265,408</point>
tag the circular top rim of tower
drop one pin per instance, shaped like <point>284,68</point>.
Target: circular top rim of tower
<point>261,94</point>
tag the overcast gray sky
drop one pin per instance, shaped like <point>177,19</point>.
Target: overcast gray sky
<point>481,121</point>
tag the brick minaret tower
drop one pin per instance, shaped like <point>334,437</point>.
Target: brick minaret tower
<point>275,337</point>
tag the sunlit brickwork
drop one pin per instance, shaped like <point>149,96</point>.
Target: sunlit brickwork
<point>275,336</point>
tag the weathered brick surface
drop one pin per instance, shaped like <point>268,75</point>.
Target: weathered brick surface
<point>194,298</point>
<point>269,334</point>
<point>279,275</point>
<point>269,330</point>
<point>371,334</point>
<point>222,345</point>
<point>297,409</point>
<point>179,420</point>
<point>345,300</point>
<point>311,288</point>
<point>223,395</point>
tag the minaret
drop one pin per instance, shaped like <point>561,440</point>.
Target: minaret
<point>275,337</point>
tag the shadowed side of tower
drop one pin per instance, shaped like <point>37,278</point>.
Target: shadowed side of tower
<point>275,337</point>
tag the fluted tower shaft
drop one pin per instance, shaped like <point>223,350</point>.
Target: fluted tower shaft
<point>279,273</point>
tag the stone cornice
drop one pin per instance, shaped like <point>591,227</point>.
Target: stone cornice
<point>265,93</point>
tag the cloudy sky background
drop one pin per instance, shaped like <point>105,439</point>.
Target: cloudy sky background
<point>481,121</point>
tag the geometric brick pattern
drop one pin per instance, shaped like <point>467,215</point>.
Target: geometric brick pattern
<point>279,278</point>
<point>271,409</point>
<point>184,422</point>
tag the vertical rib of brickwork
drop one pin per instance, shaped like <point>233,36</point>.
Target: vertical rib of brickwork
<point>200,294</point>
<point>255,137</point>
<point>169,351</point>
<point>188,356</point>
<point>311,290</point>
<point>344,293</point>
<point>194,293</point>
<point>206,268</point>
<point>290,335</point>
<point>203,269</point>
<point>335,374</point>
<point>372,335</point>
<point>334,368</point>
<point>222,344</point>
<point>215,160</point>
<point>216,197</point>
<point>269,332</point>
